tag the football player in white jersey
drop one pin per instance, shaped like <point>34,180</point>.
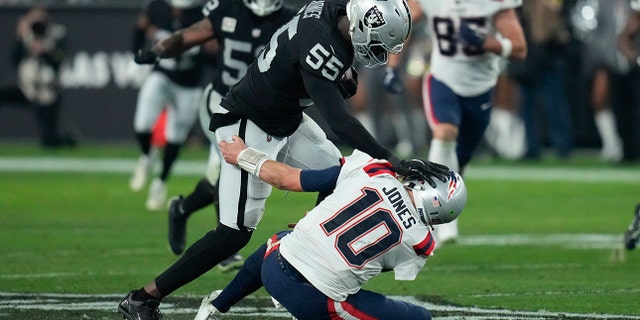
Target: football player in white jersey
<point>175,84</point>
<point>304,62</point>
<point>470,37</point>
<point>629,49</point>
<point>371,223</point>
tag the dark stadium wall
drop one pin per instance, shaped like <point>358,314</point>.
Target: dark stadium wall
<point>100,79</point>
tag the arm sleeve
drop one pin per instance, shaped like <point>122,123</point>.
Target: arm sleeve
<point>319,180</point>
<point>327,98</point>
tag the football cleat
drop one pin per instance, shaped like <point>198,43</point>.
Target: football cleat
<point>206,308</point>
<point>157,198</point>
<point>177,226</point>
<point>235,261</point>
<point>633,233</point>
<point>139,310</point>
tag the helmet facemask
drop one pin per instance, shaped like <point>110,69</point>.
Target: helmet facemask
<point>377,28</point>
<point>262,8</point>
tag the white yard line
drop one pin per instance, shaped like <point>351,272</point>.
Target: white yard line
<point>191,167</point>
<point>107,302</point>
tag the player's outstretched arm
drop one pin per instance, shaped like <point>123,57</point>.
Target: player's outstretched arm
<point>184,39</point>
<point>257,163</point>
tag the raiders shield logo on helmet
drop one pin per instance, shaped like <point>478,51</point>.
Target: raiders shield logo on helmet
<point>373,18</point>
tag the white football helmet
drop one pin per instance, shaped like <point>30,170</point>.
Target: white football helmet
<point>263,8</point>
<point>441,204</point>
<point>185,4</point>
<point>377,28</point>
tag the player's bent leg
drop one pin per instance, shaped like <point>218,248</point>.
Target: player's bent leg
<point>280,279</point>
<point>372,305</point>
<point>247,280</point>
<point>201,257</point>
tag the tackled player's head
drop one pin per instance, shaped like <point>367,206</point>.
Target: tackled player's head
<point>377,28</point>
<point>263,8</point>
<point>441,204</point>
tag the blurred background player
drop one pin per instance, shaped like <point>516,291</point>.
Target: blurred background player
<point>174,84</point>
<point>241,29</point>
<point>470,38</point>
<point>627,109</point>
<point>597,24</point>
<point>303,63</point>
<point>371,223</point>
<point>630,51</point>
<point>38,53</point>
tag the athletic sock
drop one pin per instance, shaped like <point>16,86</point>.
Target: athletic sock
<point>444,152</point>
<point>203,195</point>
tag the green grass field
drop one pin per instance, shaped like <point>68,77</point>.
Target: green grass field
<point>543,239</point>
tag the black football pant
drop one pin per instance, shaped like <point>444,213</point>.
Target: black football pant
<point>216,246</point>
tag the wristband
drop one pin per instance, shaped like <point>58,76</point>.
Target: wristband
<point>251,160</point>
<point>506,47</point>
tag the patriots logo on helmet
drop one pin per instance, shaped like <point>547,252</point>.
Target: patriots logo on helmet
<point>373,18</point>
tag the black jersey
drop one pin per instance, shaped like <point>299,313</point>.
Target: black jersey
<point>186,69</point>
<point>241,36</point>
<point>273,93</point>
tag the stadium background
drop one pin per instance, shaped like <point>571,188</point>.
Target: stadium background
<point>100,79</point>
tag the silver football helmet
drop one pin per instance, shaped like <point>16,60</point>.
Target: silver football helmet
<point>263,8</point>
<point>377,28</point>
<point>185,4</point>
<point>441,204</point>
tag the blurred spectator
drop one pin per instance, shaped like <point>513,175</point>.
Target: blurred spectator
<point>542,77</point>
<point>38,53</point>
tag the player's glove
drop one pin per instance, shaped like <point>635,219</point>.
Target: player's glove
<point>145,57</point>
<point>471,35</point>
<point>392,81</point>
<point>349,83</point>
<point>420,170</point>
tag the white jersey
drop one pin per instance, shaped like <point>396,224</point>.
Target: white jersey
<point>367,225</point>
<point>467,71</point>
<point>635,5</point>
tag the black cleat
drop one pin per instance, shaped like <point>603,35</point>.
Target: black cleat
<point>139,310</point>
<point>177,226</point>
<point>633,233</point>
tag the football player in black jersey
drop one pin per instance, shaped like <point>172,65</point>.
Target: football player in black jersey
<point>241,29</point>
<point>175,84</point>
<point>305,62</point>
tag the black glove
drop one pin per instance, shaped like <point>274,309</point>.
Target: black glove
<point>416,169</point>
<point>392,81</point>
<point>145,57</point>
<point>471,35</point>
<point>349,83</point>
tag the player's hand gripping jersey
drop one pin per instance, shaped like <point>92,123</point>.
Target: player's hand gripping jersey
<point>450,57</point>
<point>375,229</point>
<point>307,52</point>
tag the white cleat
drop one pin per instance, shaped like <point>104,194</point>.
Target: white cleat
<point>140,173</point>
<point>157,198</point>
<point>206,309</point>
